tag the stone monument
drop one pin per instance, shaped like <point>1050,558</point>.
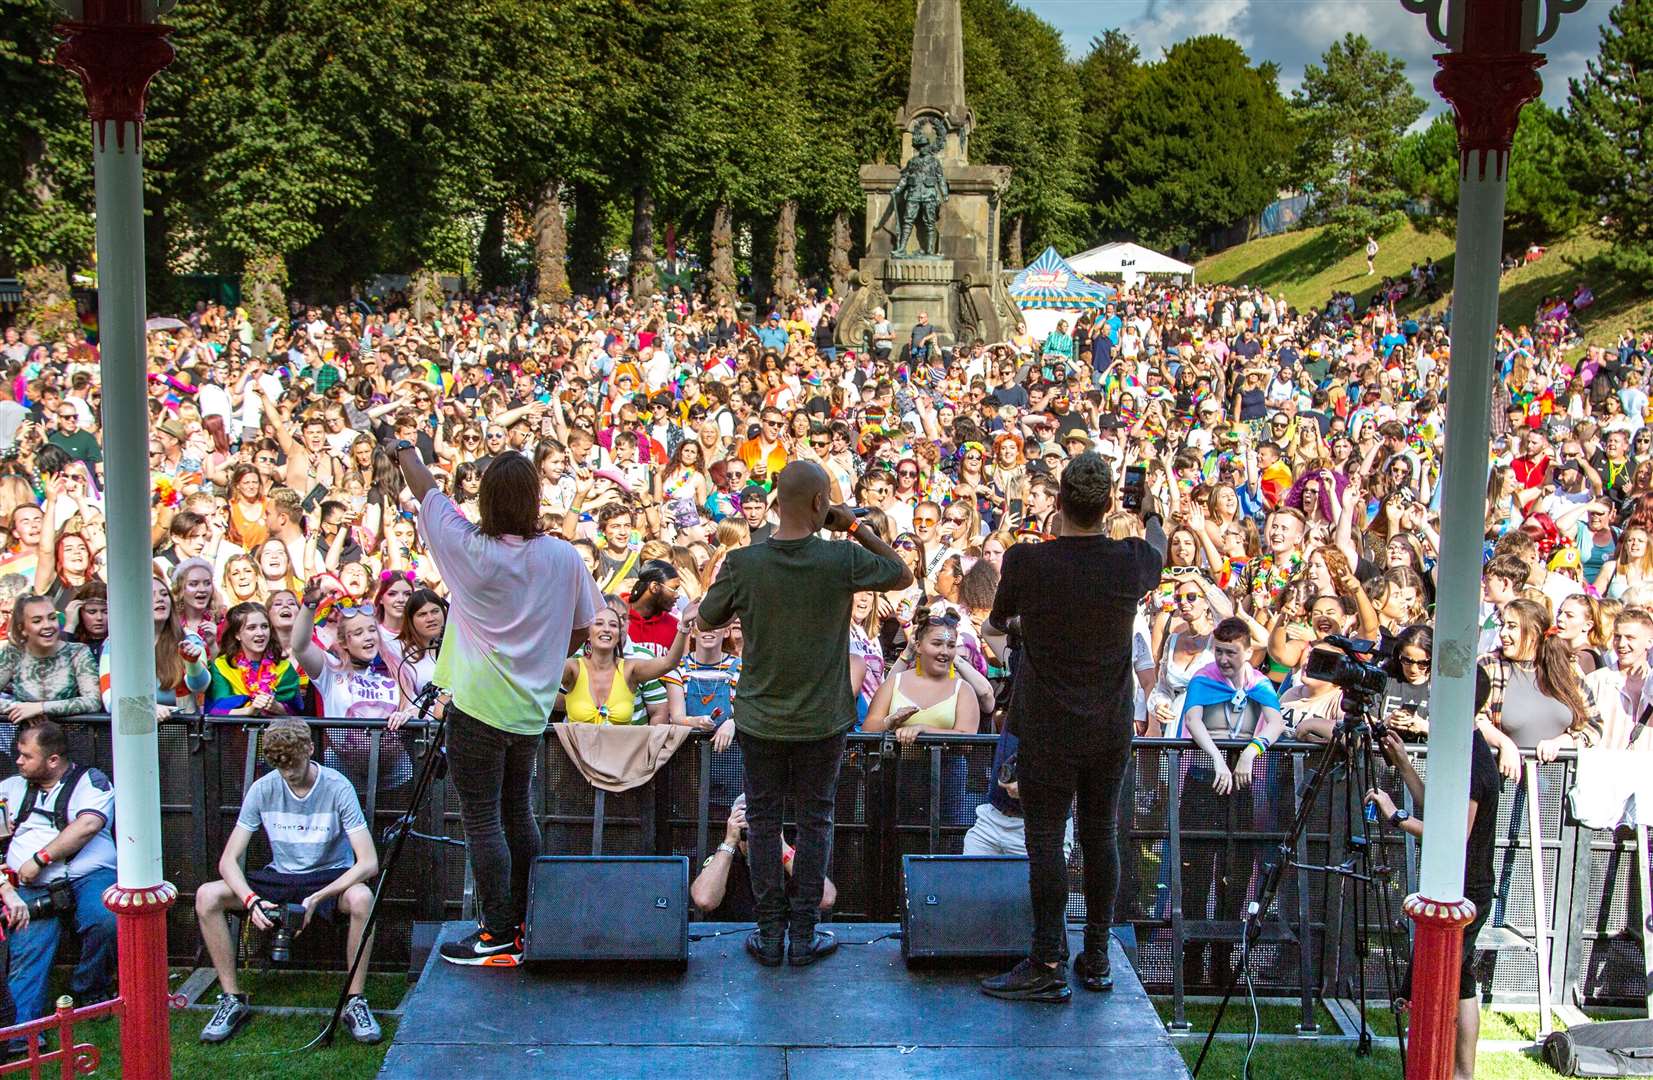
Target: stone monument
<point>932,241</point>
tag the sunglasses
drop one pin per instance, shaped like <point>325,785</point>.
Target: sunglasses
<point>909,473</point>
<point>946,618</point>
<point>1410,662</point>
<point>905,545</point>
<point>925,520</point>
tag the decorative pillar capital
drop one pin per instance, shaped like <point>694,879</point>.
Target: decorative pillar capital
<point>1487,94</point>
<point>115,63</point>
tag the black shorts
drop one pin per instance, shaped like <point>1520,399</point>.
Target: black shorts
<point>279,888</point>
<point>1466,967</point>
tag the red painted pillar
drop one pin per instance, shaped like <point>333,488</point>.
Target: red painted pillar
<point>1437,952</point>
<point>140,918</point>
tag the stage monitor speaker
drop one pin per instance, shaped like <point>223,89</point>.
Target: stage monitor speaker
<point>608,908</point>
<point>965,907</point>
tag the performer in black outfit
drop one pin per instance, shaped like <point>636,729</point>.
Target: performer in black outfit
<point>1072,601</point>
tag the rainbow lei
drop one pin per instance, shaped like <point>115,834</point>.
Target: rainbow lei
<point>164,490</point>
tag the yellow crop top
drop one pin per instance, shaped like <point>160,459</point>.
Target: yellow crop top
<point>582,708</point>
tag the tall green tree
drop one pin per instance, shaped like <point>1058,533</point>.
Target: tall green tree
<point>45,147</point>
<point>1543,202</point>
<point>1205,141</point>
<point>1612,107</point>
<point>1008,51</point>
<point>1355,107</point>
<point>1110,76</point>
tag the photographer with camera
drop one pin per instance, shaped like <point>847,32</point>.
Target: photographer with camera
<point>60,860</point>
<point>321,856</point>
<point>722,891</point>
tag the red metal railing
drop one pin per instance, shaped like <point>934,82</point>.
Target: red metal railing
<point>72,1058</point>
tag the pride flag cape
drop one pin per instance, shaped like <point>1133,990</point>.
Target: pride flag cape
<point>1210,688</point>
<point>229,689</point>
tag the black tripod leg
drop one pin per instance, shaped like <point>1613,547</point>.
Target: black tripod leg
<point>421,791</point>
<point>1383,886</point>
<point>1270,885</point>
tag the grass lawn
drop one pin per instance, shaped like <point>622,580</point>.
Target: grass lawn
<point>1294,1061</point>
<point>1307,268</point>
<point>316,990</point>
<point>266,1049</point>
<point>1275,1019</point>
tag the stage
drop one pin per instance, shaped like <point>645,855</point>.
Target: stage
<point>859,1013</point>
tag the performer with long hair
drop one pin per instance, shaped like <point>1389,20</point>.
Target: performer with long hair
<point>521,602</point>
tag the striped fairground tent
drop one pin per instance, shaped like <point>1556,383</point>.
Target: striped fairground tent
<point>1049,282</point>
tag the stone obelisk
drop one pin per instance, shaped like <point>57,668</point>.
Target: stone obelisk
<point>946,208</point>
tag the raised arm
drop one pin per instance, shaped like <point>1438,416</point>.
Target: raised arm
<point>305,650</point>
<point>414,474</point>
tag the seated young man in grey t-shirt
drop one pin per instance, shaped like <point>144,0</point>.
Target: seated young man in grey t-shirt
<point>322,856</point>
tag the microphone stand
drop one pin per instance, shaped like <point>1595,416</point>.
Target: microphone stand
<point>434,765</point>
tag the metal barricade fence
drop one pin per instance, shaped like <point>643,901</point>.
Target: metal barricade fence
<point>1189,859</point>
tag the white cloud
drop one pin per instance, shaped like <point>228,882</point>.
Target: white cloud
<point>1294,33</point>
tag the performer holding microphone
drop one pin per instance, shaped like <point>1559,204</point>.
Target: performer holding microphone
<point>793,594</point>
<point>521,603</point>
<point>1072,601</point>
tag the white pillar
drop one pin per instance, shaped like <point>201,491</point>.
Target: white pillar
<point>117,158</point>
<point>1463,500</point>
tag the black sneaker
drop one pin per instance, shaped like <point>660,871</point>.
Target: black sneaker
<point>768,949</point>
<point>1092,970</point>
<point>1028,981</point>
<point>801,952</point>
<point>482,949</point>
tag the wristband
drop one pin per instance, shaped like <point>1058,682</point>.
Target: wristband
<point>43,857</point>
<point>250,899</point>
<point>1260,745</point>
<point>854,523</point>
<point>730,848</point>
<point>11,876</point>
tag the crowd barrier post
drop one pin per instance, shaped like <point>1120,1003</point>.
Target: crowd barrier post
<point>1644,881</point>
<point>1173,855</point>
<point>1308,1022</point>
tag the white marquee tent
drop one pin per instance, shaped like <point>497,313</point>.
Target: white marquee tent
<point>1132,262</point>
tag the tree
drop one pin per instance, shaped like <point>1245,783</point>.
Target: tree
<point>1110,76</point>
<point>1543,201</point>
<point>45,148</point>
<point>1354,108</point>
<point>1612,107</point>
<point>1008,49</point>
<point>1206,141</point>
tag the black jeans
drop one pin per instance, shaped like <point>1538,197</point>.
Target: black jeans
<point>808,771</point>
<point>492,771</point>
<point>1048,786</point>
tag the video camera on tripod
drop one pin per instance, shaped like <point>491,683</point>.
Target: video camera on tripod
<point>1351,669</point>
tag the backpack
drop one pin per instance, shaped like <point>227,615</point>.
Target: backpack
<point>1608,1048</point>
<point>60,811</point>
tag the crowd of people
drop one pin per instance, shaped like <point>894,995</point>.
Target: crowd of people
<point>1286,462</point>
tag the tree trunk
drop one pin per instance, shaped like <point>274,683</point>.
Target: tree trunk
<point>642,244</point>
<point>425,295</point>
<point>587,245</point>
<point>551,245</point>
<point>786,253</point>
<point>838,264</point>
<point>1014,254</point>
<point>722,263</point>
<point>760,241</point>
<point>48,303</point>
<point>490,256</point>
<point>264,292</point>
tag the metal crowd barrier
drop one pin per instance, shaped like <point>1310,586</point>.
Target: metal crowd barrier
<point>1189,860</point>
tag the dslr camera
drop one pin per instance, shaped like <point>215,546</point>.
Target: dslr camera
<point>58,900</point>
<point>288,920</point>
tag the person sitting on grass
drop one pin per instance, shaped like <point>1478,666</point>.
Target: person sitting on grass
<point>322,857</point>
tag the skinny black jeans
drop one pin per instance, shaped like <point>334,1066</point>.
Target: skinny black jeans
<point>1048,785</point>
<point>808,771</point>
<point>492,772</point>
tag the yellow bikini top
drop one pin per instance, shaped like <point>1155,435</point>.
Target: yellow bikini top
<point>582,708</point>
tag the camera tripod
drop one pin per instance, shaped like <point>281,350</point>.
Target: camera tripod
<point>432,768</point>
<point>1349,752</point>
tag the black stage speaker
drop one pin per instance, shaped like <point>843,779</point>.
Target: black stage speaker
<point>615,908</point>
<point>965,907</point>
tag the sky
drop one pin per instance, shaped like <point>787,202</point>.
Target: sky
<point>1294,33</point>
